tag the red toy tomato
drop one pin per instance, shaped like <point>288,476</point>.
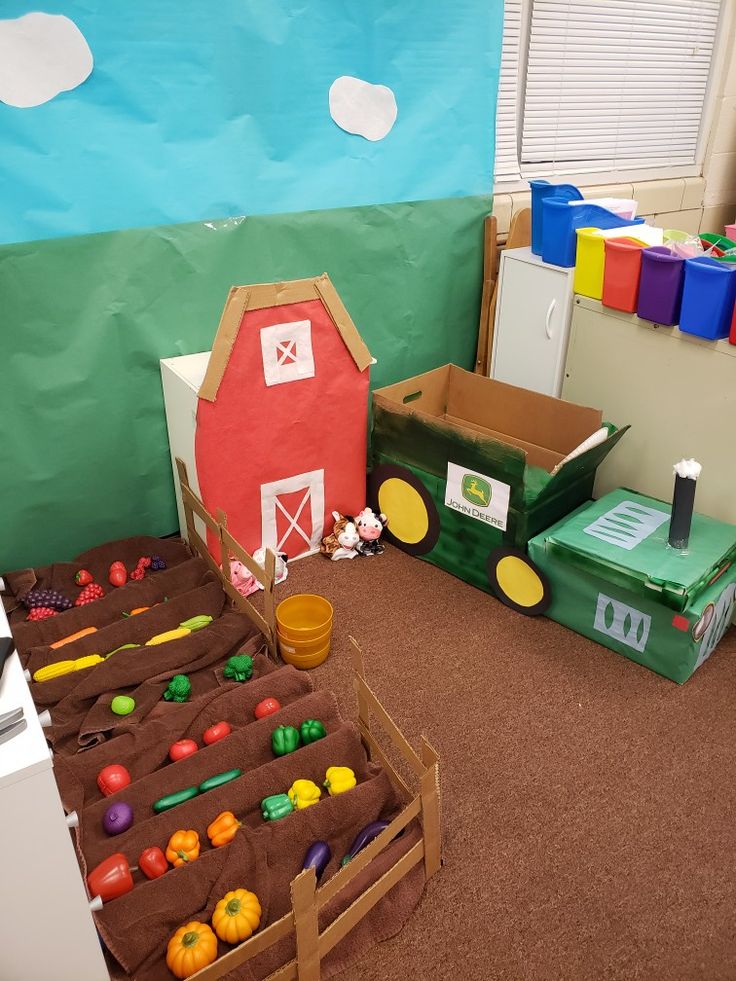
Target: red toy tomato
<point>267,707</point>
<point>152,862</point>
<point>216,732</point>
<point>83,578</point>
<point>118,575</point>
<point>111,878</point>
<point>112,778</point>
<point>181,749</point>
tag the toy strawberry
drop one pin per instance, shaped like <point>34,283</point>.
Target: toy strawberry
<point>89,594</point>
<point>83,578</point>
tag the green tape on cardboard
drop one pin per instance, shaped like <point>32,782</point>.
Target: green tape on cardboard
<point>85,321</point>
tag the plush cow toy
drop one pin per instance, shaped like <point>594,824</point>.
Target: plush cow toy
<point>370,525</point>
<point>343,541</point>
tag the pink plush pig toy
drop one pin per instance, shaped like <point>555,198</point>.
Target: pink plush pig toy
<point>370,525</point>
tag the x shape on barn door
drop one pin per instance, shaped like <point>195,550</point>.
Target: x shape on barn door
<point>286,352</point>
<point>293,520</point>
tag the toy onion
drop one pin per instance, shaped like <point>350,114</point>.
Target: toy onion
<point>117,818</point>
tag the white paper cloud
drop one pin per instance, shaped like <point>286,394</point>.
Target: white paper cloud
<point>361,108</point>
<point>41,55</point>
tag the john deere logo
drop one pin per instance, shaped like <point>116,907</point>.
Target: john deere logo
<point>476,490</point>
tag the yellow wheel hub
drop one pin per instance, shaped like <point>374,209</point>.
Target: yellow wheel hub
<point>519,581</point>
<point>409,520</point>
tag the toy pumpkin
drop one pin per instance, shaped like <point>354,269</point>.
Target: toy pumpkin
<point>237,916</point>
<point>192,947</point>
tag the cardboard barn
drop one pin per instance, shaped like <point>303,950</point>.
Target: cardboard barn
<point>272,423</point>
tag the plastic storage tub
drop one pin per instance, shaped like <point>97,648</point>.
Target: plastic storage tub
<point>590,254</point>
<point>708,298</point>
<point>660,285</point>
<point>622,272</point>
<point>561,222</point>
<point>542,189</point>
<point>718,243</point>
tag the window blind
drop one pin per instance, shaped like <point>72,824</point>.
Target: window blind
<point>612,84</point>
<point>509,91</point>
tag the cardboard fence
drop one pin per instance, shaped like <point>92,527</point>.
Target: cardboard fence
<point>376,727</point>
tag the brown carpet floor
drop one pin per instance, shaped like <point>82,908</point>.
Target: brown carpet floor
<point>589,806</point>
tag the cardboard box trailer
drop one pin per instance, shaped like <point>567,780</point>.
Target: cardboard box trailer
<point>468,469</point>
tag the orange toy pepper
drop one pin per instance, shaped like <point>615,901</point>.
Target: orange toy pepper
<point>183,847</point>
<point>223,829</point>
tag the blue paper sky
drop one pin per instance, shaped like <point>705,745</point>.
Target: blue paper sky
<point>199,109</point>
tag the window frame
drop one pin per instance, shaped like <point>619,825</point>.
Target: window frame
<point>591,177</point>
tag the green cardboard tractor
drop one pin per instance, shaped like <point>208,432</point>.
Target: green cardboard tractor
<point>468,470</point>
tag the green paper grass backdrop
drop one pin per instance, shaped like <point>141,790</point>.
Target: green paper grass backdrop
<point>85,321</point>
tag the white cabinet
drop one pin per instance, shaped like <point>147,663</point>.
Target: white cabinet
<point>532,322</point>
<point>39,864</point>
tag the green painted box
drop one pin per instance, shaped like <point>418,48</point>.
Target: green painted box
<point>463,465</point>
<point>614,578</point>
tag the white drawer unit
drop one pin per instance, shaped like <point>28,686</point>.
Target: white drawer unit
<point>46,927</point>
<point>532,322</point>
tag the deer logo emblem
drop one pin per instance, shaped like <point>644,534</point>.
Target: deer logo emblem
<point>475,490</point>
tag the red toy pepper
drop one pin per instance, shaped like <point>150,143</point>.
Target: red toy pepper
<point>111,878</point>
<point>215,733</point>
<point>152,862</point>
<point>118,575</point>
<point>112,778</point>
<point>267,707</point>
<point>181,749</point>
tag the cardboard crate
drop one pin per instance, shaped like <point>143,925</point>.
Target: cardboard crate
<point>463,465</point>
<point>615,579</point>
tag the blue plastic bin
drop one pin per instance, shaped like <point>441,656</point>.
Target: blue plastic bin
<point>708,297</point>
<point>560,222</point>
<point>543,189</point>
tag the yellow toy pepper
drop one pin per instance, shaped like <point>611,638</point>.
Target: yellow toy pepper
<point>338,779</point>
<point>304,793</point>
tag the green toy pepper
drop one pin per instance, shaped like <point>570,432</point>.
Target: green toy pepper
<point>311,730</point>
<point>276,806</point>
<point>285,740</point>
<point>239,667</point>
<point>179,689</point>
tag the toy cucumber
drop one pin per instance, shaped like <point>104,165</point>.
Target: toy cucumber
<point>171,800</point>
<point>218,780</point>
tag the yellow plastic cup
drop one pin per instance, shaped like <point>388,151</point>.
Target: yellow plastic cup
<point>305,654</point>
<point>303,617</point>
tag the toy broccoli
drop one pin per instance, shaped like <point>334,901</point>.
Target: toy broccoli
<point>239,667</point>
<point>179,689</point>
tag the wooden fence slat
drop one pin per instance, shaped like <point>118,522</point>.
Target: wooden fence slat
<point>306,926</point>
<point>249,948</point>
<point>344,876</point>
<point>377,753</point>
<point>345,922</point>
<point>431,818</point>
<point>362,689</point>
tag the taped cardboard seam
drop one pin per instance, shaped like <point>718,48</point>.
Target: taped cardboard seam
<point>227,331</point>
<point>343,322</point>
<point>261,296</point>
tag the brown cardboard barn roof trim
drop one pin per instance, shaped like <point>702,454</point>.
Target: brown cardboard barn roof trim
<point>263,295</point>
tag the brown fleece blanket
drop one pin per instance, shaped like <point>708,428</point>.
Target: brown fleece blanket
<point>264,856</point>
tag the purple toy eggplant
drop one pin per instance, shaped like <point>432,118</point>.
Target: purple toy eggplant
<point>318,857</point>
<point>363,838</point>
